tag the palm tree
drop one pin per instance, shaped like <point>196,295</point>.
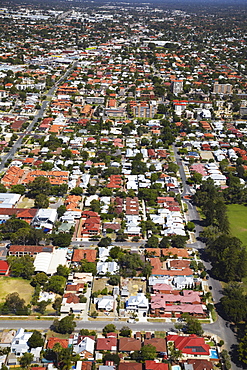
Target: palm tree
<point>173,353</point>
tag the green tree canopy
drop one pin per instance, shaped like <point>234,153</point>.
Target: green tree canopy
<point>18,189</point>
<point>64,326</point>
<point>234,302</point>
<point>36,340</point>
<point>125,331</point>
<point>61,239</point>
<point>26,360</point>
<point>40,185</point>
<point>109,328</point>
<point>21,266</point>
<point>41,201</point>
<point>147,352</point>
<point>14,305</point>
<point>56,284</point>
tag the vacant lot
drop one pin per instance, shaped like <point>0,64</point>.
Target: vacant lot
<point>237,215</point>
<point>134,285</point>
<point>101,283</point>
<point>10,285</point>
<point>26,203</point>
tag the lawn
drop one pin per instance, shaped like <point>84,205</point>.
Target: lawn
<point>237,215</point>
<point>10,285</point>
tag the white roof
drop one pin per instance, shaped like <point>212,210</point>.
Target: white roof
<point>7,200</point>
<point>48,262</point>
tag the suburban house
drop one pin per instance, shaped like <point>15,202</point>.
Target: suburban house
<point>19,343</point>
<point>84,347</point>
<point>191,346</point>
<point>159,344</point>
<point>129,345</point>
<point>106,344</point>
<point>105,303</point>
<point>138,303</point>
<point>153,365</point>
<point>129,366</point>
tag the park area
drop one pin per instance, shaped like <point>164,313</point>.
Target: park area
<point>10,285</point>
<point>237,215</point>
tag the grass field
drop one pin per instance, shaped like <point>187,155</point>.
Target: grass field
<point>237,215</point>
<point>10,285</point>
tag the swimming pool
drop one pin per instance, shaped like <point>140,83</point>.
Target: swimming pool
<point>214,354</point>
<point>176,367</point>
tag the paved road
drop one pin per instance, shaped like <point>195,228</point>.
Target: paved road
<point>214,328</point>
<point>40,114</point>
<point>221,327</point>
<point>131,245</point>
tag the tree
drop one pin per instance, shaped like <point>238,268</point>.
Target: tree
<point>21,266</point>
<point>125,331</point>
<point>21,236</point>
<point>12,225</point>
<point>193,326</point>
<point>190,226</point>
<point>14,305</point>
<point>111,357</point>
<point>61,210</point>
<point>36,340</point>
<point>153,242</point>
<point>56,284</point>
<point>41,306</point>
<point>196,178</point>
<point>65,326</point>
<point>173,167</point>
<point>41,201</point>
<point>76,191</point>
<point>114,280</point>
<point>106,192</point>
<point>26,360</point>
<point>234,302</point>
<point>40,185</point>
<point>3,189</point>
<point>147,352</point>
<point>95,205</point>
<point>165,242</point>
<point>63,271</point>
<point>178,241</point>
<point>18,189</point>
<point>57,304</point>
<point>88,267</point>
<point>229,258</point>
<point>61,239</point>
<point>242,349</point>
<point>105,242</point>
<point>174,353</point>
<point>109,328</point>
<point>115,252</point>
<point>39,279</point>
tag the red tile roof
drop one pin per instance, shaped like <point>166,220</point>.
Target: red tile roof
<point>152,365</point>
<point>87,254</point>
<point>106,344</point>
<point>129,366</point>
<point>191,345</point>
